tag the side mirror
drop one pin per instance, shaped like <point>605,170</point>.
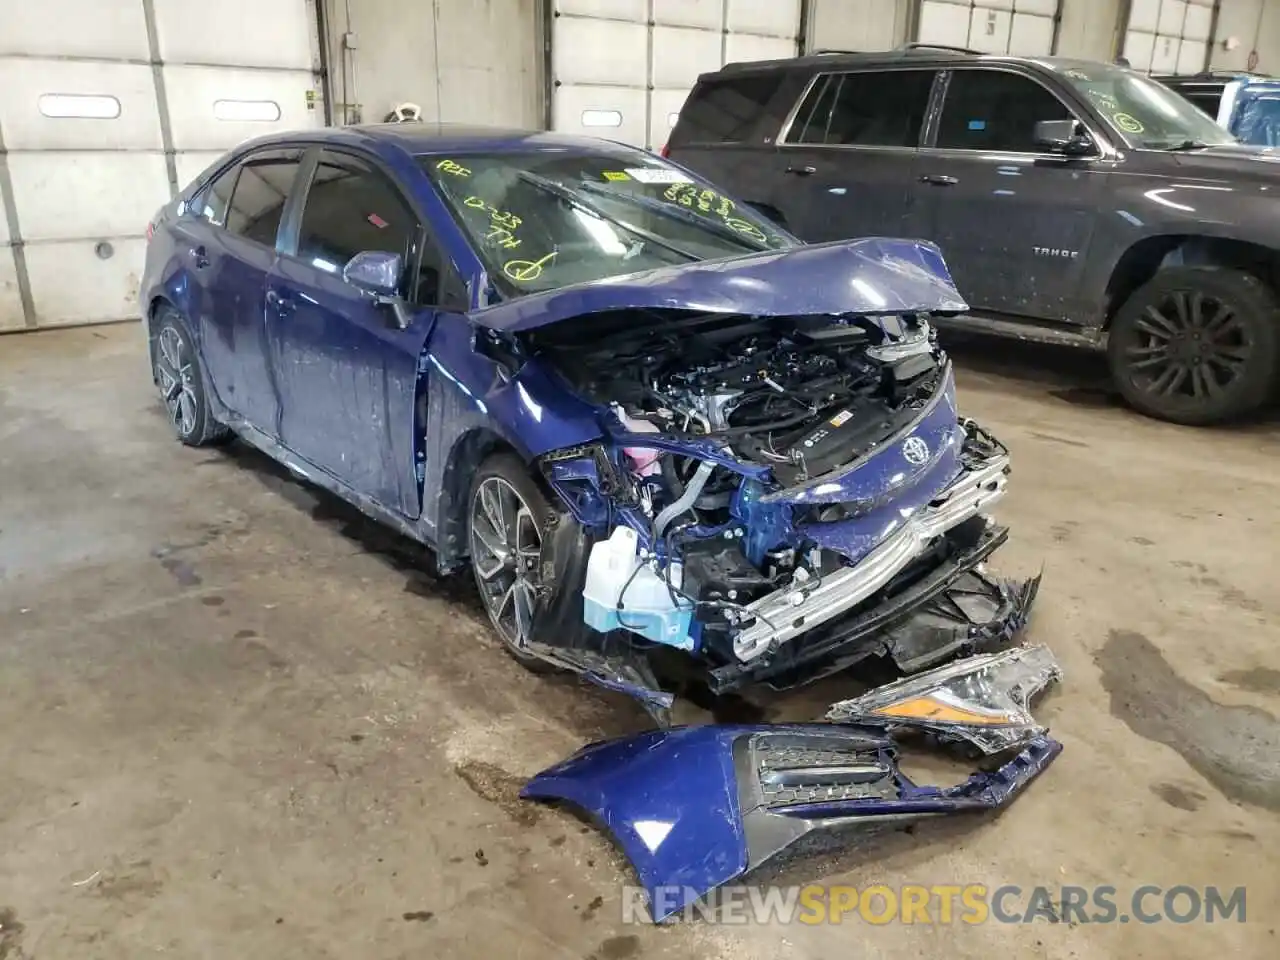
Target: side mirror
<point>1063,136</point>
<point>377,273</point>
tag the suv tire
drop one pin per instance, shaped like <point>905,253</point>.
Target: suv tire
<point>1197,345</point>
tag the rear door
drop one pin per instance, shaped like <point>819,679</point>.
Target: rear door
<point>347,372</point>
<point>845,166</point>
<point>727,127</point>
<point>1014,222</point>
<point>230,248</point>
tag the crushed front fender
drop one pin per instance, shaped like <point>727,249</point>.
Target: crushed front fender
<point>695,807</point>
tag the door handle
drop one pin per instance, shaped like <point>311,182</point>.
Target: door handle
<point>939,179</point>
<point>201,257</point>
<point>283,306</point>
<point>802,171</point>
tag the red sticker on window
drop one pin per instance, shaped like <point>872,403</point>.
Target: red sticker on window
<point>376,220</point>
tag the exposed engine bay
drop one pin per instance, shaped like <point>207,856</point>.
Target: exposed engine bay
<point>799,395</point>
<point>780,497</point>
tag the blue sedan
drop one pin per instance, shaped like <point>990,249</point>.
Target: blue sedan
<point>672,443</point>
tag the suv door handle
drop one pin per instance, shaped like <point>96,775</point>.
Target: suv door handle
<point>939,179</point>
<point>802,171</point>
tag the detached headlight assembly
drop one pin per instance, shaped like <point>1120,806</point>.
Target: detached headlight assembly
<point>984,700</point>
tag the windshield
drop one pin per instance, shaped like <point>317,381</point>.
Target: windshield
<point>1143,111</point>
<point>551,218</point>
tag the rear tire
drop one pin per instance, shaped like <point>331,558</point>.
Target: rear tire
<point>1197,345</point>
<point>180,377</point>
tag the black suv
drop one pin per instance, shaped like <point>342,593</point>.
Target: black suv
<point>1075,202</point>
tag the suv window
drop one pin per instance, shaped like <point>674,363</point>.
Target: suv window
<point>726,111</point>
<point>996,110</point>
<point>260,194</point>
<point>883,109</point>
<point>1206,96</point>
<point>351,208</point>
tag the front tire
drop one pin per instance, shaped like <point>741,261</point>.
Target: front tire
<point>178,374</point>
<point>1197,345</point>
<point>508,518</point>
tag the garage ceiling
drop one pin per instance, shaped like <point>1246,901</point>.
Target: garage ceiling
<point>106,116</point>
<point>621,69</point>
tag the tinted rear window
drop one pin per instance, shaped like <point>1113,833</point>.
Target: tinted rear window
<point>725,110</point>
<point>883,109</point>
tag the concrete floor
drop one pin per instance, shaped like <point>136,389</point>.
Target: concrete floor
<point>236,721</point>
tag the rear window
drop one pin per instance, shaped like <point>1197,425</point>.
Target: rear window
<point>725,110</point>
<point>880,109</point>
<point>1205,96</point>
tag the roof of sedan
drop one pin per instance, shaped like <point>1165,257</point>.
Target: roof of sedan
<point>433,138</point>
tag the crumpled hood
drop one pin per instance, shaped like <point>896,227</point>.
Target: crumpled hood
<point>873,275</point>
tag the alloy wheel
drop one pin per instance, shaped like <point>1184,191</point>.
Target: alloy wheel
<point>176,375</point>
<point>1190,345</point>
<point>506,546</point>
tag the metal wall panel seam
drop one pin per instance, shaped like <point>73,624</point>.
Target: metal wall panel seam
<point>724,31</point>
<point>648,86</point>
<point>155,61</point>
<point>8,201</point>
<point>162,98</point>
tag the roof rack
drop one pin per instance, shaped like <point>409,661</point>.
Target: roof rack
<point>941,46</point>
<point>828,50</point>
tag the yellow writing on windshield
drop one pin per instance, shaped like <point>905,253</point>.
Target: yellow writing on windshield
<point>707,201</point>
<point>524,271</point>
<point>503,224</point>
<point>746,228</point>
<point>1127,123</point>
<point>615,175</point>
<point>453,167</point>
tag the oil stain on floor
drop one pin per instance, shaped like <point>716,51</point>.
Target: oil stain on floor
<point>1236,748</point>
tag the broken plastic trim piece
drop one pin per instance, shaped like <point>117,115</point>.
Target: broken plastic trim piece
<point>696,807</point>
<point>984,700</point>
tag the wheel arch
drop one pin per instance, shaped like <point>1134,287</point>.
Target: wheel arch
<point>466,454</point>
<point>1142,260</point>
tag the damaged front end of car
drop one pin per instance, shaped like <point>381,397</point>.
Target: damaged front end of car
<point>783,485</point>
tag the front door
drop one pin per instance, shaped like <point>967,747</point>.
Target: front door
<point>1014,222</point>
<point>231,244</point>
<point>845,166</point>
<point>347,371</point>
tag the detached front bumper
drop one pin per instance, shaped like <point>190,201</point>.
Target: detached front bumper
<point>695,807</point>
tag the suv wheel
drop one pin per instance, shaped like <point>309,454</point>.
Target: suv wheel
<point>1197,345</point>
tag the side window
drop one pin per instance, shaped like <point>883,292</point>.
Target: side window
<point>881,109</point>
<point>260,195</point>
<point>726,111</point>
<point>995,110</point>
<point>216,197</point>
<point>350,208</point>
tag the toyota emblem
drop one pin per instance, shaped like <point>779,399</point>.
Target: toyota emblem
<point>915,450</point>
